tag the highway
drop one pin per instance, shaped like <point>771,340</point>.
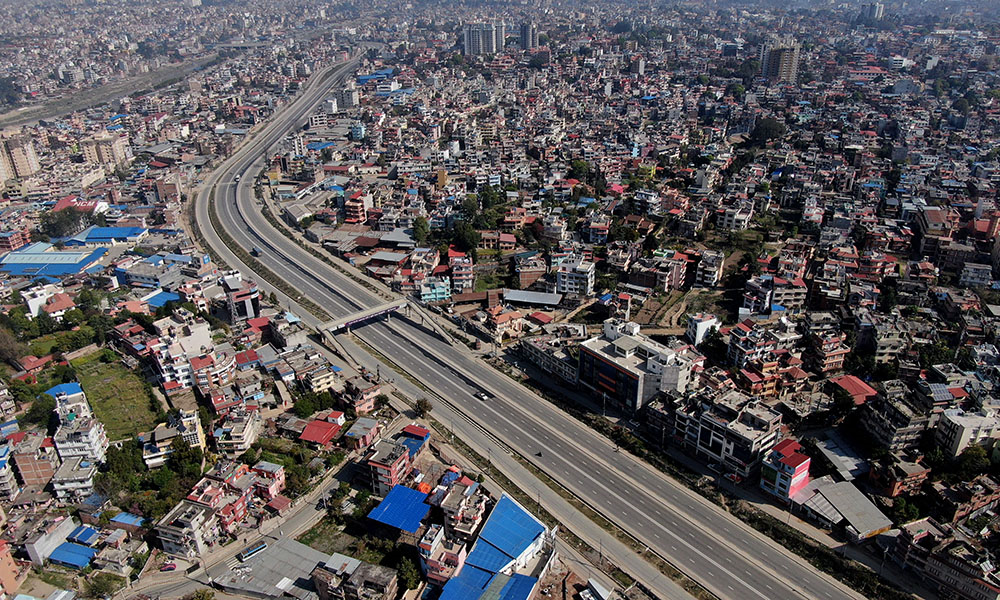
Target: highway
<point>717,550</point>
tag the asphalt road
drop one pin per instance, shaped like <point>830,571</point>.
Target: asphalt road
<point>717,550</point>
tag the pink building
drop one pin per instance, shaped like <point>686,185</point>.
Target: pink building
<point>440,558</point>
<point>785,471</point>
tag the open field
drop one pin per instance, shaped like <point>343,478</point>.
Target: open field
<point>118,396</point>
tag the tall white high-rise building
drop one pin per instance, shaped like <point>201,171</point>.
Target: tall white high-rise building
<point>484,38</point>
<point>529,35</point>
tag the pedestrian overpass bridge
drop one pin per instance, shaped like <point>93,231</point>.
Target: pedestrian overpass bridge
<point>349,321</point>
<point>412,311</point>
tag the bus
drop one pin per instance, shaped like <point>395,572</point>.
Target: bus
<point>251,551</point>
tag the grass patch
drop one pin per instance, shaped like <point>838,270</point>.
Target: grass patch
<point>120,398</point>
<point>63,581</point>
<point>327,536</point>
<point>46,344</point>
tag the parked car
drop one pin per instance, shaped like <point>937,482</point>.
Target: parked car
<point>168,567</point>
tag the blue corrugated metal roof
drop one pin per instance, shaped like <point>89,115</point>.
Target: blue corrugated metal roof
<point>162,299</point>
<point>72,555</point>
<point>40,260</point>
<point>520,587</point>
<point>488,558</point>
<point>469,585</point>
<point>413,445</point>
<point>402,508</point>
<point>511,528</point>
<point>70,389</point>
<point>84,535</point>
<point>128,518</point>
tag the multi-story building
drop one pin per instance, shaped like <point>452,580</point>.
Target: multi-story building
<point>530,267</point>
<point>237,431</point>
<point>440,558</point>
<point>46,536</point>
<point>779,59</point>
<point>529,35</point>
<point>749,341</point>
<point>576,276</point>
<point>189,530</point>
<point>484,38</point>
<point>34,458</point>
<point>434,289</point>
<point>270,479</point>
<point>343,578</point>
<point>503,322</point>
<point>736,218</point>
<point>976,275</point>
<point>12,240</point>
<point>660,274</point>
<point>19,155</point>
<point>699,326</point>
<point>389,464</point>
<point>83,438</point>
<point>9,486</point>
<point>550,355</point>
<point>628,368</point>
<point>764,292</point>
<point>242,296</point>
<point>828,352</point>
<point>10,572</point>
<point>185,425</point>
<point>7,404</point>
<point>892,420</point>
<point>960,570</point>
<point>463,276</point>
<point>785,470</point>
<point>915,542</point>
<point>362,394</point>
<point>74,479</point>
<point>180,337</point>
<point>727,427</point>
<point>957,430</point>
<point>108,150</point>
<point>464,508</point>
<point>709,271</point>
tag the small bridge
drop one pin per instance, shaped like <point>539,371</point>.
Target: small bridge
<point>363,315</point>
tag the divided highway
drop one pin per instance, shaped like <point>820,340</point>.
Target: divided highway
<point>717,550</point>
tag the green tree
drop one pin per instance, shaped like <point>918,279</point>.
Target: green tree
<point>10,348</point>
<point>103,585</point>
<point>651,243</point>
<point>765,130</point>
<point>714,348</point>
<point>579,170</point>
<point>973,461</point>
<point>42,412</point>
<point>423,407</point>
<point>409,574</point>
<point>62,223</point>
<point>421,229</point>
<point>904,511</point>
<point>304,407</point>
<point>184,460</point>
<point>466,237</point>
